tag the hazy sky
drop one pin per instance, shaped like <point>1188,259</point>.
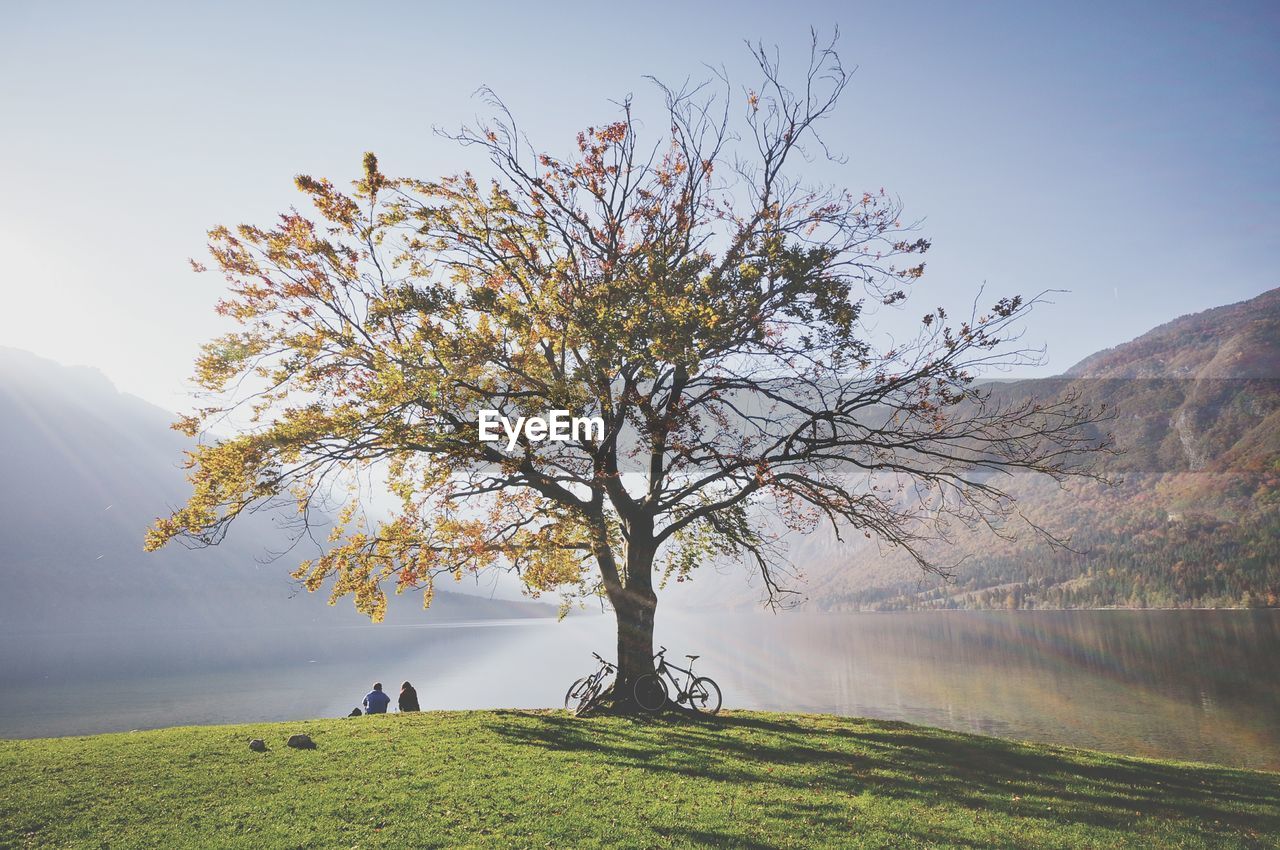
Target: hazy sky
<point>1125,152</point>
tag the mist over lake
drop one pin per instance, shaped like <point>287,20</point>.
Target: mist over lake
<point>1187,684</point>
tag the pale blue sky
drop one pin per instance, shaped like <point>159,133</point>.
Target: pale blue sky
<point>1126,152</point>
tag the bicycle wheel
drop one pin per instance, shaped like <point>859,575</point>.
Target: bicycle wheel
<point>574,693</point>
<point>650,692</point>
<point>704,696</point>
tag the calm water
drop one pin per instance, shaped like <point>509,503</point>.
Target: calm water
<point>1189,684</point>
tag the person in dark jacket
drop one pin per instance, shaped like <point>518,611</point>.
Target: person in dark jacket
<point>408,698</point>
<point>376,702</point>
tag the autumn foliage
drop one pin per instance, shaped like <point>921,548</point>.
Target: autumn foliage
<point>689,287</point>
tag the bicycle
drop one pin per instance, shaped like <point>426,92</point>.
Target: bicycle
<point>650,691</point>
<point>584,694</point>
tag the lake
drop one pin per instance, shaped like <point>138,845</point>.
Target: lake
<point>1201,685</point>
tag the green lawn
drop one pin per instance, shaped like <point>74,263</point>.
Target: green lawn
<point>545,779</point>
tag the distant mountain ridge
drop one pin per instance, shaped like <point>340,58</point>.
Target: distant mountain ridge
<point>84,471</point>
<point>1239,340</point>
<point>1195,520</point>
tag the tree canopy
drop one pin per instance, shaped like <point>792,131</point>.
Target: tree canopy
<point>690,287</point>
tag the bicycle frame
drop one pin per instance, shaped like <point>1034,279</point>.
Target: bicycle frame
<point>665,667</point>
<point>605,669</point>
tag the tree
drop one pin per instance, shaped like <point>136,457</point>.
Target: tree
<point>694,293</point>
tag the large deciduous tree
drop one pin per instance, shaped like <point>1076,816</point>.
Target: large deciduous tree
<point>693,290</point>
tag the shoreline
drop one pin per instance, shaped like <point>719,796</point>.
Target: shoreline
<point>675,724</point>
<point>545,778</point>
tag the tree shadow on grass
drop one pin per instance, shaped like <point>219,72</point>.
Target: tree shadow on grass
<point>903,762</point>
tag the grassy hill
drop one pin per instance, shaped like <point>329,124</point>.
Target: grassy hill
<point>527,779</point>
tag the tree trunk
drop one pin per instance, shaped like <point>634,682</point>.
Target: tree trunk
<point>635,638</point>
<point>635,608</point>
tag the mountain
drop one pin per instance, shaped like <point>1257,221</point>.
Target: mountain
<point>84,471</point>
<point>1194,521</point>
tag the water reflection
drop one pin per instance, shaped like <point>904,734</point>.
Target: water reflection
<point>1178,684</point>
<point>1188,684</point>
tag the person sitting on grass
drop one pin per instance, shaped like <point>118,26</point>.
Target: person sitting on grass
<point>408,698</point>
<point>376,702</point>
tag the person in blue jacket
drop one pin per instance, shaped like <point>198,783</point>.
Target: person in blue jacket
<point>376,702</point>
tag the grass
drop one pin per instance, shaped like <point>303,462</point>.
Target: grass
<point>545,779</point>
